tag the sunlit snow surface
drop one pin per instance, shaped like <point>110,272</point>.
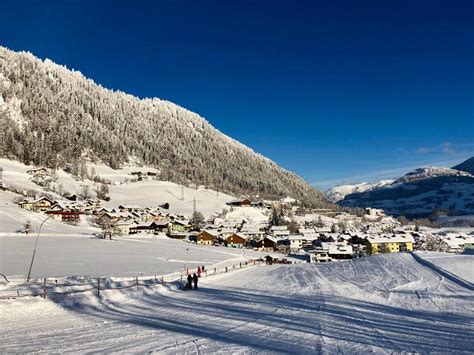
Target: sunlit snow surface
<point>381,304</point>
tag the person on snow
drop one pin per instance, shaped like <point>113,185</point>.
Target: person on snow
<point>195,279</point>
<point>202,268</point>
<point>199,271</point>
<point>189,284</point>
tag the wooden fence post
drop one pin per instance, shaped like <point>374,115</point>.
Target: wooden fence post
<point>44,288</point>
<point>162,279</point>
<point>98,286</point>
<point>136,282</point>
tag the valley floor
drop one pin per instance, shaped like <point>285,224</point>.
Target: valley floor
<point>382,304</point>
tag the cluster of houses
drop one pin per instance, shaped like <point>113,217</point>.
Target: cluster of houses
<point>61,211</point>
<point>318,244</point>
<point>125,220</point>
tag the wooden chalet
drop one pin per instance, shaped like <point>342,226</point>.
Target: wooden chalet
<point>41,204</point>
<point>267,243</point>
<point>236,240</point>
<point>240,202</point>
<point>206,237</point>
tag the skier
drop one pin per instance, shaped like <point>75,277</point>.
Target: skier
<point>202,268</point>
<point>199,271</point>
<point>189,284</point>
<point>195,279</point>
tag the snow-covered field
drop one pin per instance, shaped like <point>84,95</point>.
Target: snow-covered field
<point>383,304</point>
<point>58,256</point>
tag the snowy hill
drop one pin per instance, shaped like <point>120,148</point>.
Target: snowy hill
<point>123,191</point>
<point>384,304</point>
<point>419,193</point>
<point>467,166</point>
<point>338,193</point>
<point>430,172</point>
<point>51,116</point>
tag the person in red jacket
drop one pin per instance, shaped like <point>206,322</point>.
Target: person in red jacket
<point>199,271</point>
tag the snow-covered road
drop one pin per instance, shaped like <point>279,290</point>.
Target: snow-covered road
<point>388,303</point>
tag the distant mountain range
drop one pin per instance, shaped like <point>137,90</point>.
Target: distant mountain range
<point>416,194</point>
<point>56,117</point>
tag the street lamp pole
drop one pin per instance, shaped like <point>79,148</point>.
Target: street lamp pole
<point>34,249</point>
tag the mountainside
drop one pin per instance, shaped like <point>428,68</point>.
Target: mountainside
<point>467,166</point>
<point>420,193</point>
<point>338,193</point>
<point>55,117</point>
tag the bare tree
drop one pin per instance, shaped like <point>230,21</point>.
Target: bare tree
<point>107,227</point>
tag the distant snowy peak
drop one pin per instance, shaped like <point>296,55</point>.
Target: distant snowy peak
<point>420,193</point>
<point>338,193</point>
<point>428,173</point>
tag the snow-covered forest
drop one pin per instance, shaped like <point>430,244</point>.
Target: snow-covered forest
<point>51,116</point>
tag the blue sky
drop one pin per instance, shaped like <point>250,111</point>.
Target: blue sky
<point>336,91</point>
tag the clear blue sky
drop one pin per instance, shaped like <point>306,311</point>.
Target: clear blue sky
<point>336,91</point>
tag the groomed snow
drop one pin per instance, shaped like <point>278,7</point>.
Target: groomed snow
<point>384,304</point>
<point>459,265</point>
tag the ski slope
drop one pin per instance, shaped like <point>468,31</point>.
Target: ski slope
<point>383,304</point>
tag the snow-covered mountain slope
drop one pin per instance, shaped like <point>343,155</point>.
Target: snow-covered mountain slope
<point>430,172</point>
<point>52,116</point>
<point>13,218</point>
<point>383,304</point>
<point>338,193</point>
<point>420,193</point>
<point>123,191</point>
<point>467,166</point>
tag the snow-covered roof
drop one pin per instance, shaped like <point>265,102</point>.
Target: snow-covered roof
<point>338,248</point>
<point>183,222</point>
<point>211,232</point>
<point>240,235</point>
<point>278,228</point>
<point>395,238</point>
<point>125,223</point>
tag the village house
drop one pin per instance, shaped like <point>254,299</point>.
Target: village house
<point>458,242</point>
<point>123,227</point>
<point>279,231</point>
<point>37,171</point>
<point>64,213</point>
<point>240,202</point>
<point>252,231</point>
<point>379,244</point>
<point>267,243</point>
<point>206,237</point>
<point>300,242</point>
<point>41,204</point>
<point>226,232</point>
<point>236,240</point>
<point>181,225</point>
<point>331,251</point>
<point>129,208</point>
<point>150,227</point>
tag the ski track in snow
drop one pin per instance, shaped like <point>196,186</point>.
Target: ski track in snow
<point>382,304</point>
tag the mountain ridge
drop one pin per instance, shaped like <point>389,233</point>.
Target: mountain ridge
<point>419,193</point>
